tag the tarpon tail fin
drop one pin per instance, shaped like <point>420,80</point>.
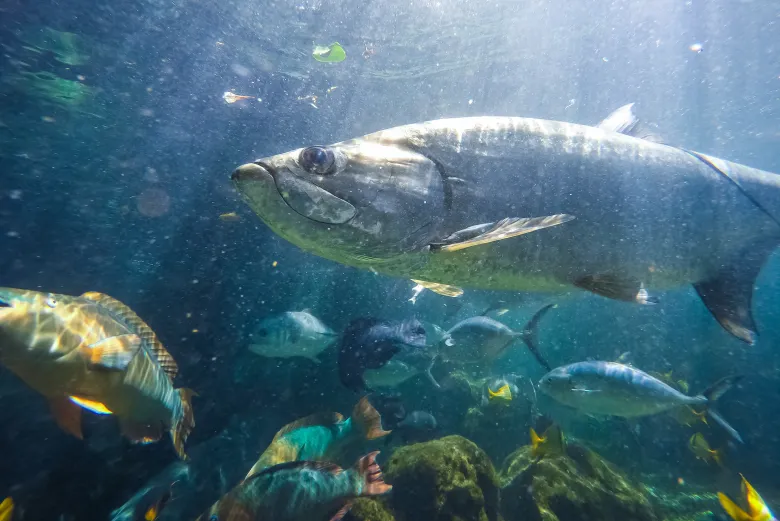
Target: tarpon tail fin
<point>530,335</point>
<point>712,394</point>
<point>373,483</point>
<point>184,424</point>
<point>368,420</point>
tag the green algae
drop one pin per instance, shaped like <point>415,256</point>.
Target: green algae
<point>371,509</point>
<point>450,479</point>
<point>67,48</point>
<point>576,486</point>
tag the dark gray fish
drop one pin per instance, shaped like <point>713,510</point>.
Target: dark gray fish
<point>483,339</point>
<point>369,343</point>
<point>417,426</point>
<point>607,209</point>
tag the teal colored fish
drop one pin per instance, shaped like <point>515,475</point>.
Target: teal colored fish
<point>298,491</point>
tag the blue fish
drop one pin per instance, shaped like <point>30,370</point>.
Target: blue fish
<point>612,389</point>
<point>369,343</point>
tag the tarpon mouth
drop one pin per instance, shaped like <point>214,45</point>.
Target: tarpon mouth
<point>302,196</point>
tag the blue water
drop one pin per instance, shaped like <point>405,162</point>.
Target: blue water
<point>116,148</point>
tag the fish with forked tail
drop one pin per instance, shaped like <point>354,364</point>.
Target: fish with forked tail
<point>95,353</point>
<point>612,389</point>
<point>606,208</point>
<point>756,509</point>
<point>300,491</point>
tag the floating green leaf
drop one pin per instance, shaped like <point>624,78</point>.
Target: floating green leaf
<point>332,53</point>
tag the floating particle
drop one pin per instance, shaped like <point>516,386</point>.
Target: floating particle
<point>188,315</point>
<point>12,234</point>
<point>471,102</point>
<point>195,331</point>
<point>220,44</point>
<point>147,113</point>
<point>332,53</point>
<point>274,264</point>
<point>48,119</point>
<point>331,89</point>
<point>232,97</point>
<point>153,202</point>
<point>605,59</point>
<point>229,216</point>
<point>696,47</point>
<point>16,195</point>
<point>81,77</point>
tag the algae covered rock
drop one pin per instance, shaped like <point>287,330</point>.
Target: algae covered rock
<point>442,480</point>
<point>576,486</point>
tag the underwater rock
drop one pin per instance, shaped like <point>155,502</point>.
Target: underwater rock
<point>577,486</point>
<point>442,480</point>
<point>369,509</point>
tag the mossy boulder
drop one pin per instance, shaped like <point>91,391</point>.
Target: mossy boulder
<point>370,509</point>
<point>450,479</point>
<point>576,486</point>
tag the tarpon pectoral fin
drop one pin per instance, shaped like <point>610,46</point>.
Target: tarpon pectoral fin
<point>729,294</point>
<point>616,287</point>
<point>624,121</point>
<point>67,415</point>
<point>491,232</point>
<point>114,353</point>
<point>440,289</point>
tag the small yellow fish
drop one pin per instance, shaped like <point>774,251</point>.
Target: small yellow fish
<point>683,386</point>
<point>550,443</point>
<point>701,449</point>
<point>688,416</point>
<point>229,216</point>
<point>756,507</point>
<point>7,509</point>
<point>504,393</point>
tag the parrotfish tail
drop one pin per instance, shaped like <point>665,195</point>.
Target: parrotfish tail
<point>531,336</point>
<point>368,420</point>
<point>184,424</point>
<point>715,391</point>
<point>373,481</point>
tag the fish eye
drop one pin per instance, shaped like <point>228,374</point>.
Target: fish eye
<point>51,301</point>
<point>317,160</point>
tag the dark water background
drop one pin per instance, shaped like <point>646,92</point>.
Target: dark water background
<point>75,178</point>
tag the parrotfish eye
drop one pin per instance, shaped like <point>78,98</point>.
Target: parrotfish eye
<point>51,301</point>
<point>317,160</point>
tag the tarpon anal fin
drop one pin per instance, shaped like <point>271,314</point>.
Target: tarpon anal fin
<point>729,293</point>
<point>491,232</point>
<point>616,287</point>
<point>440,289</point>
<point>624,121</point>
<point>67,415</point>
<point>113,353</point>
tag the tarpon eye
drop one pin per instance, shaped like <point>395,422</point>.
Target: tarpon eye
<point>317,160</point>
<point>51,301</point>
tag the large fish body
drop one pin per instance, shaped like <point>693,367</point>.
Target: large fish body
<point>93,352</point>
<point>613,389</point>
<point>293,333</point>
<point>442,201</point>
<point>299,491</point>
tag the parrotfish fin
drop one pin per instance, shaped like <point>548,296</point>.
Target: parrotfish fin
<point>616,287</point>
<point>327,419</point>
<point>729,294</point>
<point>140,432</point>
<point>113,354</point>
<point>7,509</point>
<point>373,481</point>
<point>323,466</point>
<point>440,289</point>
<point>624,121</point>
<point>341,512</point>
<point>124,314</point>
<point>503,229</point>
<point>368,419</point>
<point>67,415</point>
<point>183,425</point>
<point>530,335</point>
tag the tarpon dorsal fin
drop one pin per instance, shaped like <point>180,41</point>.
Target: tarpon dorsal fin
<point>624,121</point>
<point>123,313</point>
<point>492,232</point>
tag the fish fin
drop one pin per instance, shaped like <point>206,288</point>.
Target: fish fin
<point>717,457</point>
<point>731,508</point>
<point>369,420</point>
<point>67,415</point>
<point>503,229</point>
<point>624,121</point>
<point>429,376</point>
<point>183,425</point>
<point>323,466</point>
<point>373,481</point>
<point>113,353</point>
<point>530,335</point>
<point>440,289</point>
<point>616,287</point>
<point>755,504</point>
<point>721,387</point>
<point>141,433</point>
<point>325,419</point>
<point>341,512</point>
<point>124,314</point>
<point>536,443</point>
<point>7,509</point>
<point>720,420</point>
